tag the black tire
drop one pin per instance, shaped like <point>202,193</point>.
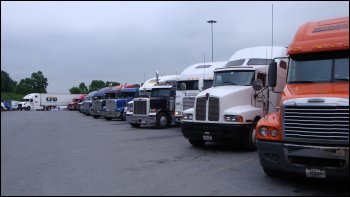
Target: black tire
<point>96,116</point>
<point>123,116</point>
<point>250,141</point>
<point>270,172</point>
<point>135,125</point>
<point>197,143</point>
<point>162,121</point>
<point>108,118</point>
<point>28,108</point>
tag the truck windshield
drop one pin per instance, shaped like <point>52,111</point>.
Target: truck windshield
<point>161,92</point>
<point>190,85</point>
<point>207,84</point>
<point>145,93</point>
<point>127,94</point>
<point>319,68</point>
<point>238,77</point>
<point>111,95</point>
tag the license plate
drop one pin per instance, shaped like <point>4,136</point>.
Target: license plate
<point>207,138</point>
<point>315,173</point>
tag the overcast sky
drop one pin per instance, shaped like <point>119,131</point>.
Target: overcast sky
<point>74,42</point>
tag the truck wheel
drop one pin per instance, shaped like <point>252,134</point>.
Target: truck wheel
<point>197,143</point>
<point>250,143</point>
<point>271,172</point>
<point>135,125</point>
<point>108,118</point>
<point>28,108</point>
<point>96,116</point>
<point>123,116</point>
<point>162,121</point>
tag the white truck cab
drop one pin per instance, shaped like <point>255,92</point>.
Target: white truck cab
<point>192,81</point>
<point>230,109</point>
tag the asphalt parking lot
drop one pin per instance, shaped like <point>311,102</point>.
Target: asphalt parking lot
<point>68,153</point>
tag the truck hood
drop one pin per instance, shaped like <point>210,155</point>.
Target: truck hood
<point>223,91</point>
<point>338,90</point>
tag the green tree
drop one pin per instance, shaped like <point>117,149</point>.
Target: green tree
<point>75,90</point>
<point>83,88</point>
<point>96,85</point>
<point>39,82</point>
<point>25,86</point>
<point>7,84</point>
<point>136,85</point>
<point>112,83</point>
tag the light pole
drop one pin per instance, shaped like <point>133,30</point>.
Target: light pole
<point>212,40</point>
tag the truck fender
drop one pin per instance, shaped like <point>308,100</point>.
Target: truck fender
<point>248,112</point>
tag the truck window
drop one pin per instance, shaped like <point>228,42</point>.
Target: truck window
<point>190,85</point>
<point>160,92</point>
<point>207,84</point>
<point>239,62</point>
<point>242,78</point>
<point>325,67</point>
<point>259,61</point>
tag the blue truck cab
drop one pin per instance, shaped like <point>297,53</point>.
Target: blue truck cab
<point>98,101</point>
<point>115,107</point>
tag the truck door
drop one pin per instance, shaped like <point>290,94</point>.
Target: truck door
<point>260,102</point>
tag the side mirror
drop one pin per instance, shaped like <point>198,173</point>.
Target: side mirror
<point>257,84</point>
<point>272,74</point>
<point>183,86</point>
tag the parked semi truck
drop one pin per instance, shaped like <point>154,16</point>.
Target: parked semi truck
<point>87,103</point>
<point>309,135</point>
<point>73,106</point>
<point>229,111</point>
<point>157,109</point>
<point>44,101</point>
<point>98,102</point>
<point>190,82</point>
<point>116,103</point>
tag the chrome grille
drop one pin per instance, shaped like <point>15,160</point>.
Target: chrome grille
<point>97,105</point>
<point>110,105</point>
<point>201,108</point>
<point>320,123</point>
<point>213,111</point>
<point>188,102</point>
<point>140,107</point>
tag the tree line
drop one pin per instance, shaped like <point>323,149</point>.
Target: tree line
<point>36,83</point>
<point>94,86</point>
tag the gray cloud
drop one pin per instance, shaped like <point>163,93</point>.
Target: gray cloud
<point>73,42</point>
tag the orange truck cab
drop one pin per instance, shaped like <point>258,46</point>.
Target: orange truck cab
<point>309,135</point>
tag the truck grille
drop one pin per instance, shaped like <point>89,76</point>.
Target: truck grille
<point>110,105</point>
<point>213,113</point>
<point>318,123</point>
<point>201,108</point>
<point>188,102</point>
<point>140,107</point>
<point>97,105</point>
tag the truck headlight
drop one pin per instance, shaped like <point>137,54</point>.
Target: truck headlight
<point>233,118</point>
<point>178,113</point>
<point>274,133</point>
<point>263,131</point>
<point>187,116</point>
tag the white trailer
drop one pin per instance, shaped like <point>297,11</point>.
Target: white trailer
<point>192,81</point>
<point>45,101</point>
<point>229,111</point>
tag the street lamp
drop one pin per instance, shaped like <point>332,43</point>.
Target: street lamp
<point>212,40</point>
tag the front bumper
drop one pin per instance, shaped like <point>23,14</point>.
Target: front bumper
<point>218,132</point>
<point>297,159</point>
<point>143,120</point>
<point>110,114</point>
